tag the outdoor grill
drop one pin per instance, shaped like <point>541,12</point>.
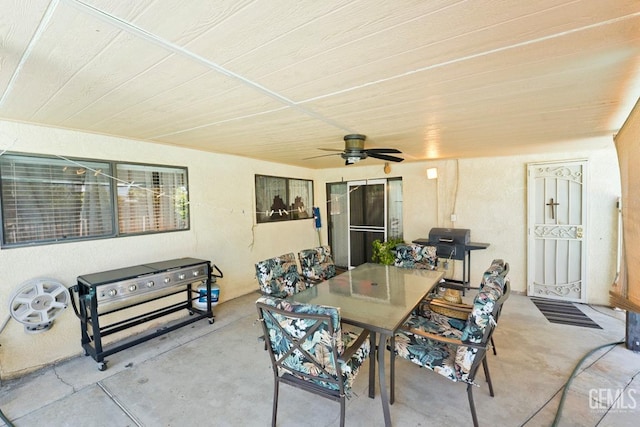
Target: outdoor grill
<point>127,292</point>
<point>454,244</point>
<point>450,243</point>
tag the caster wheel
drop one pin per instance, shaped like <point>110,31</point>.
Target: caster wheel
<point>190,313</point>
<point>211,321</point>
<point>102,366</point>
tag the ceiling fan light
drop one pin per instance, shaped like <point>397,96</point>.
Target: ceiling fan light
<point>352,159</point>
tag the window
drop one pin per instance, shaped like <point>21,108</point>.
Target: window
<point>54,199</point>
<point>157,200</point>
<point>282,199</point>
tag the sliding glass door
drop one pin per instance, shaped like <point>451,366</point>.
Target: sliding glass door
<point>359,213</point>
<point>367,218</point>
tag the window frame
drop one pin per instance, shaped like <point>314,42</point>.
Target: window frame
<point>121,233</point>
<point>266,214</point>
<point>114,185</point>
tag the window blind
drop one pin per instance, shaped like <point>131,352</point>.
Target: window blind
<point>48,199</point>
<point>152,198</point>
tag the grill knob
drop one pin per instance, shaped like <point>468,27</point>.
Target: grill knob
<point>167,279</point>
<point>150,284</point>
<point>112,292</point>
<point>132,287</point>
<point>182,276</point>
<point>196,273</point>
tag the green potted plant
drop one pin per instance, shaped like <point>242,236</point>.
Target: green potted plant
<point>383,252</point>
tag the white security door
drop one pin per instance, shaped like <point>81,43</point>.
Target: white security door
<point>556,225</point>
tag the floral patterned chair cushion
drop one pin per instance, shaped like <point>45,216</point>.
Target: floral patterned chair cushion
<point>317,263</point>
<point>438,356</point>
<point>436,323</point>
<point>416,256</point>
<point>498,268</point>
<point>477,328</point>
<point>318,361</point>
<point>279,276</point>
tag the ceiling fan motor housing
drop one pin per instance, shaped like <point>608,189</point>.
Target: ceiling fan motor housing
<point>354,150</point>
<point>354,141</point>
<point>354,147</point>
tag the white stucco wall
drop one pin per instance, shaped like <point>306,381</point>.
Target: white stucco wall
<point>223,230</point>
<point>491,201</point>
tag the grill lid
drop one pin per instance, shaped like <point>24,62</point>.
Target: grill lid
<point>454,236</point>
<point>115,275</point>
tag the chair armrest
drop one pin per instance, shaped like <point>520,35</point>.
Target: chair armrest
<point>355,346</point>
<point>442,339</point>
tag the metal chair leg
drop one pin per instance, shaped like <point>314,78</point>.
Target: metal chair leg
<point>275,403</point>
<point>392,372</point>
<point>471,405</point>
<point>342,411</point>
<point>495,353</point>
<point>372,365</point>
<point>485,366</point>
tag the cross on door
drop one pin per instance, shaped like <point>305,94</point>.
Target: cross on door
<point>553,208</point>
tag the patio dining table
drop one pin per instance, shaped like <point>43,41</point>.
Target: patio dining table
<point>378,298</point>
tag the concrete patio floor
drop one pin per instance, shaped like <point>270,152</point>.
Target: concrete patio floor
<point>220,375</point>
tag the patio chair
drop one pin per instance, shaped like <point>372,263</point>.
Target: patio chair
<point>310,350</point>
<point>456,358</point>
<point>279,276</point>
<point>317,264</point>
<point>409,255</point>
<point>442,310</point>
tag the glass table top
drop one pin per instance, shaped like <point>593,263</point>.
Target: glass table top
<point>373,296</point>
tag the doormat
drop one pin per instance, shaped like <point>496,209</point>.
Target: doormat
<point>563,312</point>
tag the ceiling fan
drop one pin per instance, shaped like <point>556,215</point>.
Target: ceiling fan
<point>354,151</point>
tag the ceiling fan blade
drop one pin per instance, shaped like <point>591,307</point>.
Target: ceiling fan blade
<point>383,150</point>
<point>322,155</point>
<point>384,157</point>
<point>354,151</point>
